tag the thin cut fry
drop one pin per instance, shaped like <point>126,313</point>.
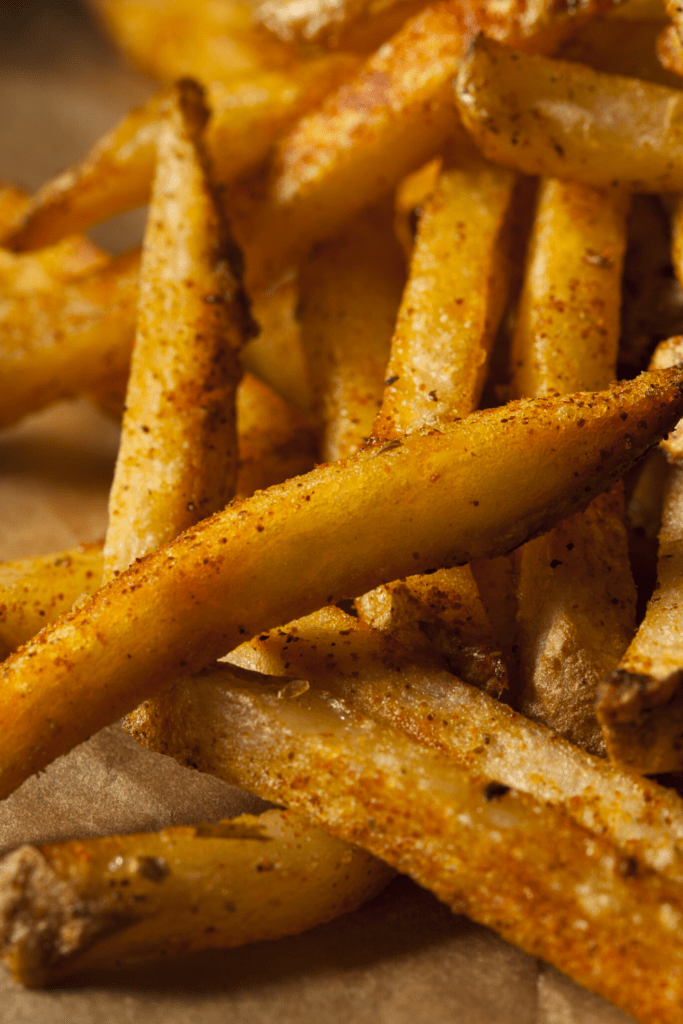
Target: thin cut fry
<point>67,907</point>
<point>388,119</point>
<point>565,120</point>
<point>177,461</point>
<point>246,118</point>
<point>317,539</point>
<point>575,594</point>
<point>350,290</point>
<point>448,318</point>
<point>566,893</point>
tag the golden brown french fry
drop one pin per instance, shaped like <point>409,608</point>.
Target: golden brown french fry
<point>67,907</point>
<point>538,27</point>
<point>640,705</point>
<point>575,593</point>
<point>332,23</point>
<point>246,118</point>
<point>411,194</point>
<point>276,354</point>
<point>596,907</point>
<point>317,539</point>
<point>177,460</point>
<point>448,318</point>
<point>564,120</point>
<point>350,290</point>
<point>35,591</point>
<point>670,50</point>
<point>452,303</point>
<point>60,337</point>
<point>385,121</point>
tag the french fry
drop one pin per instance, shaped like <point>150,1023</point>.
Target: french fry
<point>448,318</point>
<point>394,114</point>
<point>670,50</point>
<point>411,194</point>
<point>270,558</point>
<point>276,355</point>
<point>333,24</point>
<point>575,593</point>
<point>60,337</point>
<point>67,907</point>
<point>177,460</point>
<point>564,120</point>
<point>247,116</point>
<point>350,290</point>
<point>538,27</point>
<point>640,705</point>
<point>620,47</point>
<point>518,864</point>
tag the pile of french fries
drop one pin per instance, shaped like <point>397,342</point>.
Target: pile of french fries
<point>407,225</point>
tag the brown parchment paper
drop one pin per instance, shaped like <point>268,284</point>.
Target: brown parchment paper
<point>403,958</point>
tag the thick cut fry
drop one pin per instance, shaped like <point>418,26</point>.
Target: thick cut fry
<point>525,868</point>
<point>565,120</point>
<point>246,118</point>
<point>317,539</point>
<point>640,705</point>
<point>449,315</point>
<point>411,195</point>
<point>452,303</point>
<point>387,120</point>
<point>536,27</point>
<point>350,290</point>
<point>67,907</point>
<point>60,337</point>
<point>276,354</point>
<point>178,456</point>
<point>35,591</point>
<point>575,594</point>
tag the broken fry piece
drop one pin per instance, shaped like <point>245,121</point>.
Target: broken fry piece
<point>270,559</point>
<point>67,907</point>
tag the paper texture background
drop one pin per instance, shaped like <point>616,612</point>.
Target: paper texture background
<point>402,959</point>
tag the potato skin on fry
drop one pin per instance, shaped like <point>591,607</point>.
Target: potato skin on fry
<point>314,540</point>
<point>68,907</point>
<point>565,120</point>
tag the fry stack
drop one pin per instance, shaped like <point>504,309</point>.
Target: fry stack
<point>409,226</point>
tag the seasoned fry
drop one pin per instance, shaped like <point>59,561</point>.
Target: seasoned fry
<point>60,336</point>
<point>276,354</point>
<point>331,22</point>
<point>575,594</point>
<point>67,907</point>
<point>518,864</point>
<point>350,290</point>
<point>247,116</point>
<point>178,456</point>
<point>453,301</point>
<point>270,559</point>
<point>640,705</point>
<point>565,120</point>
<point>388,119</point>
<point>538,27</point>
<point>448,318</point>
<point>411,194</point>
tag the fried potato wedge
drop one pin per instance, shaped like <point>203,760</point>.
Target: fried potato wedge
<point>247,117</point>
<point>270,559</point>
<point>576,599</point>
<point>61,336</point>
<point>385,121</point>
<point>177,459</point>
<point>350,290</point>
<point>524,867</point>
<point>564,120</point>
<point>68,907</point>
